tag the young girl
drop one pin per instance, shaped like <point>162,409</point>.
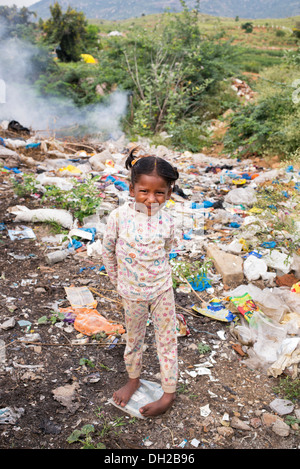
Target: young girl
<point>136,246</point>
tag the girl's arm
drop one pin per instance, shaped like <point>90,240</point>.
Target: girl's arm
<point>170,239</point>
<point>109,248</point>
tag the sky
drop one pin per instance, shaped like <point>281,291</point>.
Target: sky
<point>18,3</point>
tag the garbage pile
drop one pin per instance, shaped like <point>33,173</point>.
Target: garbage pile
<point>237,237</point>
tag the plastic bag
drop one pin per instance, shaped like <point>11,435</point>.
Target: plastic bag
<point>147,392</point>
<point>181,326</point>
<point>61,183</point>
<point>241,196</point>
<point>254,268</point>
<point>24,214</point>
<point>279,261</point>
<point>289,354</point>
<point>245,305</point>
<point>22,232</point>
<point>296,288</point>
<point>269,336</point>
<point>215,310</point>
<point>90,322</point>
<point>95,249</point>
<point>9,415</point>
<point>269,301</point>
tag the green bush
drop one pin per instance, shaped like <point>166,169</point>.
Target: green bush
<point>270,126</point>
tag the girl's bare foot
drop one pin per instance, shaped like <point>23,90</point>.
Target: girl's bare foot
<point>122,396</point>
<point>158,407</point>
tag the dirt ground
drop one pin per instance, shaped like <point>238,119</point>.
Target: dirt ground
<point>33,371</point>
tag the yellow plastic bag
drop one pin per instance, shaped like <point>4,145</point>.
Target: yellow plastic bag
<point>296,287</point>
<point>71,169</point>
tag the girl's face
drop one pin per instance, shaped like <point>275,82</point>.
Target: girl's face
<point>150,190</point>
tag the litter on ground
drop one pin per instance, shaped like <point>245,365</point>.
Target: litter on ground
<point>235,263</point>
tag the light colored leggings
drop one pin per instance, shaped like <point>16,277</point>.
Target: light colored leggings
<point>162,310</point>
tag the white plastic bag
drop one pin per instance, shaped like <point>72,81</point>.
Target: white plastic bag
<point>61,183</point>
<point>241,196</point>
<point>278,260</point>
<point>269,337</point>
<point>24,214</point>
<point>288,355</point>
<point>254,268</point>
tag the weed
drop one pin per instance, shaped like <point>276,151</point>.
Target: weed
<point>54,318</point>
<point>108,425</point>
<point>104,367</point>
<point>82,200</point>
<point>182,389</point>
<point>25,186</point>
<point>55,227</point>
<point>84,436</point>
<point>290,420</point>
<point>288,388</point>
<point>86,362</point>
<point>203,348</point>
<point>193,272</point>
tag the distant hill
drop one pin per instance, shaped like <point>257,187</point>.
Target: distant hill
<point>115,10</point>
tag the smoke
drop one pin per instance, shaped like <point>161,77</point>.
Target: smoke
<point>24,104</point>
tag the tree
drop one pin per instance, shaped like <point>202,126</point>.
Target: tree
<point>66,32</point>
<point>171,72</point>
<point>248,27</point>
<point>17,23</point>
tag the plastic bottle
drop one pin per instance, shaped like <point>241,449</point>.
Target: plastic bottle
<point>57,256</point>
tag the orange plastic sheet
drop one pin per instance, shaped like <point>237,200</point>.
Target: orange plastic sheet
<point>89,322</point>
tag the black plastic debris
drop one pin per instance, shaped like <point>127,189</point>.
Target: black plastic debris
<point>15,126</point>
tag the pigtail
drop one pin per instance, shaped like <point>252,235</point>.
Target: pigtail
<point>176,173</point>
<point>131,157</point>
<point>167,171</point>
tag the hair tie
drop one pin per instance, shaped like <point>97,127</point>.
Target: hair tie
<point>139,158</point>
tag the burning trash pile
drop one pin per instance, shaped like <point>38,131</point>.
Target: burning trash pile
<point>237,235</point>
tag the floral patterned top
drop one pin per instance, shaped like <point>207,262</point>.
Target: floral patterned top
<point>136,251</point>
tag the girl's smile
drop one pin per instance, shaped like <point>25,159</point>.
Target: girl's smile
<point>150,190</point>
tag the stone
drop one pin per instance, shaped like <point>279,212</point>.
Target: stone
<point>255,422</point>
<point>229,266</point>
<point>66,395</point>
<point>268,419</point>
<point>8,324</point>
<point>239,424</point>
<point>282,406</point>
<point>281,428</point>
<point>225,431</point>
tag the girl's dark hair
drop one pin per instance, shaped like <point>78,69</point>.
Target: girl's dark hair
<point>148,164</point>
